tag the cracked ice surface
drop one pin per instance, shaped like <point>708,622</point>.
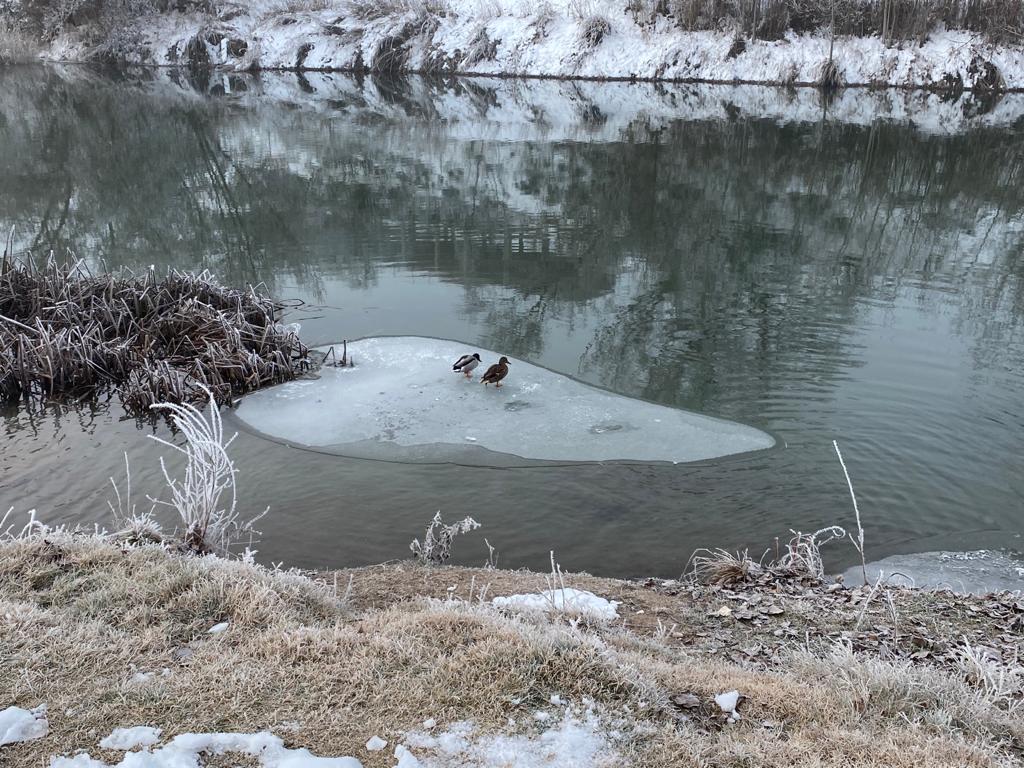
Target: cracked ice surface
<point>403,402</point>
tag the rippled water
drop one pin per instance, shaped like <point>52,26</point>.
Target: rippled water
<point>816,275</point>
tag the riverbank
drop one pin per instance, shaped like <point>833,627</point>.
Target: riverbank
<point>420,657</point>
<point>924,48</point>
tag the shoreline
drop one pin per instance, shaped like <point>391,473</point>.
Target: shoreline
<point>874,87</point>
<point>109,636</point>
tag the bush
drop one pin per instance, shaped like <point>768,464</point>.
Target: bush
<point>1000,20</point>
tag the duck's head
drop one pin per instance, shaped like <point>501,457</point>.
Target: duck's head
<point>503,361</point>
<point>477,356</point>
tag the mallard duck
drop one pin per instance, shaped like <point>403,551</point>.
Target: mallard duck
<point>496,372</point>
<point>467,363</point>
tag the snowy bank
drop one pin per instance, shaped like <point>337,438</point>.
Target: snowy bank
<point>559,38</point>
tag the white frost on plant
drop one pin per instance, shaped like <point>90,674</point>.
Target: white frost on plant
<point>187,750</point>
<point>564,600</point>
<point>210,522</point>
<point>130,738</point>
<point>17,724</point>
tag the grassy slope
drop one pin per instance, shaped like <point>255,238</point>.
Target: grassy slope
<point>79,617</point>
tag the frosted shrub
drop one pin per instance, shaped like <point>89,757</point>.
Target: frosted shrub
<point>437,541</point>
<point>133,526</point>
<point>594,29</point>
<point>205,498</point>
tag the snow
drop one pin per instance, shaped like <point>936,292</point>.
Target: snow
<point>727,702</point>
<point>576,737</point>
<point>216,629</point>
<point>17,724</point>
<point>566,600</point>
<point>402,402</point>
<point>548,39</point>
<point>130,738</point>
<point>576,740</point>
<point>185,751</point>
<point>406,759</point>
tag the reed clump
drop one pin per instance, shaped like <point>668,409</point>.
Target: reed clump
<point>67,334</point>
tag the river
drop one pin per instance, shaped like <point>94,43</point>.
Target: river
<point>819,269</point>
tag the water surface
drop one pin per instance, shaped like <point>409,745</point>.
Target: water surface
<point>820,271</point>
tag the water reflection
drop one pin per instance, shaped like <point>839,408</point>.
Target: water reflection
<point>818,270</point>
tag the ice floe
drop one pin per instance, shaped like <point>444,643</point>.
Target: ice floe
<point>402,401</point>
<point>976,572</point>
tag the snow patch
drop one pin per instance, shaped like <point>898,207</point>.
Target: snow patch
<point>187,749</point>
<point>17,724</point>
<point>727,702</point>
<point>565,600</point>
<point>375,744</point>
<point>130,738</point>
<point>402,402</point>
<point>578,740</point>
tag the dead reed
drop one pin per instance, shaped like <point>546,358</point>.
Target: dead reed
<point>67,334</point>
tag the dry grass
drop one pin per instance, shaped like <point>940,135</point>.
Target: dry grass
<point>799,560</point>
<point>68,334</point>
<point>79,617</point>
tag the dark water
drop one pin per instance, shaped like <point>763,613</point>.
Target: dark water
<point>859,279</point>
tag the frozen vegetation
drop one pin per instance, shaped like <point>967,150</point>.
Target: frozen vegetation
<point>969,44</point>
<point>402,401</point>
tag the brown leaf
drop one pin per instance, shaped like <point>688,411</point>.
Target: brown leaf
<point>686,700</point>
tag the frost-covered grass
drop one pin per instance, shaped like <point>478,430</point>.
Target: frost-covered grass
<point>112,638</point>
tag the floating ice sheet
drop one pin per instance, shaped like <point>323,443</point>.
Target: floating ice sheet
<point>975,572</point>
<point>402,401</point>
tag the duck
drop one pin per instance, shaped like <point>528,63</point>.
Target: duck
<point>467,363</point>
<point>496,373</point>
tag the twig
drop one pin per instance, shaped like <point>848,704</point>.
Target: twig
<point>859,543</point>
<point>19,325</point>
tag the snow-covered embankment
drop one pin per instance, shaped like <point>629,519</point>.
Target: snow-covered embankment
<point>561,38</point>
